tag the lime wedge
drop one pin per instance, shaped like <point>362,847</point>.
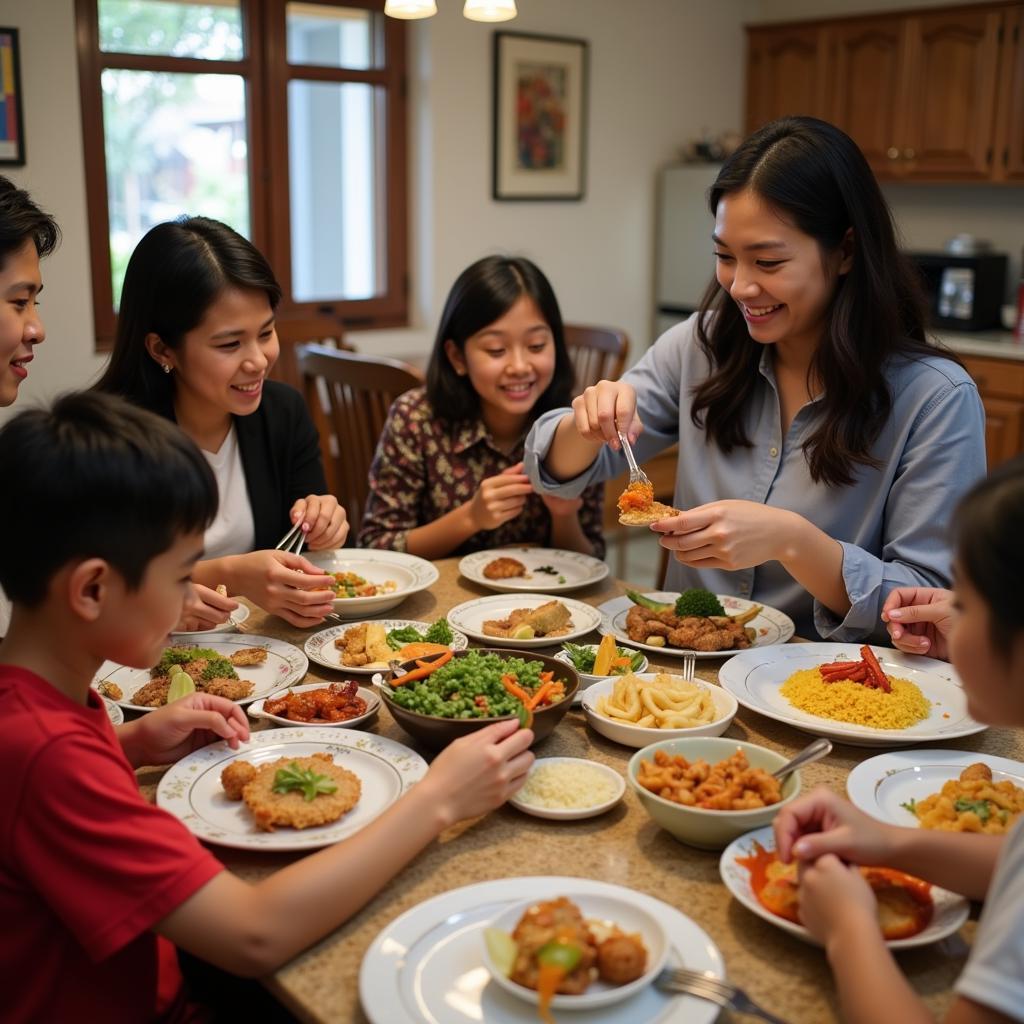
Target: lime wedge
<point>181,685</point>
<point>501,948</point>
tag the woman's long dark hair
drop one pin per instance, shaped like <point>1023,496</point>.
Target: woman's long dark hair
<point>482,293</point>
<point>990,548</point>
<point>177,271</point>
<point>814,176</point>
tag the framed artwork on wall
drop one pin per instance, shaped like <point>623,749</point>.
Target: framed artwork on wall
<point>12,126</point>
<point>540,110</point>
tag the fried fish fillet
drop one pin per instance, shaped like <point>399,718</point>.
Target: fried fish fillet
<point>293,810</point>
<point>249,656</point>
<point>504,569</point>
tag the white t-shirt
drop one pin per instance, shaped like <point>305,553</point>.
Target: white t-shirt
<point>232,531</point>
<point>994,975</point>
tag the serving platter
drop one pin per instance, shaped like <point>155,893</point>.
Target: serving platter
<point>469,618</point>
<point>191,789</point>
<point>409,573</point>
<point>950,913</point>
<point>285,665</point>
<point>570,569</point>
<point>754,676</point>
<point>432,956</point>
<point>320,646</point>
<point>770,626</point>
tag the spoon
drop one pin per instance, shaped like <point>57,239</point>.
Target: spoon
<point>815,751</point>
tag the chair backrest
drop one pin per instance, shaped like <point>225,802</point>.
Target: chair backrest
<point>597,353</point>
<point>349,396</point>
<point>295,331</point>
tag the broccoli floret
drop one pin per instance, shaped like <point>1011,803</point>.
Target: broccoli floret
<point>698,602</point>
<point>400,637</point>
<point>219,668</point>
<point>439,633</point>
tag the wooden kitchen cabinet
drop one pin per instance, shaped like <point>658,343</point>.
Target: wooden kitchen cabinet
<point>1009,157</point>
<point>786,73</point>
<point>1001,386</point>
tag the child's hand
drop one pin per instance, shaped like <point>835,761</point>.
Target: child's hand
<point>561,507</point>
<point>480,771</point>
<point>323,521</point>
<point>835,896</point>
<point>169,733</point>
<point>284,584</point>
<point>822,823</point>
<point>604,409</point>
<point>500,498</point>
<point>204,609</point>
<point>919,620</point>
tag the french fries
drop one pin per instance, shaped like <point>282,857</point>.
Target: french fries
<point>666,702</point>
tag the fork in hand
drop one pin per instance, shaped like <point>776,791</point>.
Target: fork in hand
<point>706,986</point>
<point>636,474</point>
<point>293,540</point>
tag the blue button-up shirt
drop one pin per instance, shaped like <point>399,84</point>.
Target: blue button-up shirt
<point>892,522</point>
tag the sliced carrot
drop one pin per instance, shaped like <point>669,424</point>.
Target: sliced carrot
<point>424,670</point>
<point>513,687</point>
<point>535,701</point>
<point>874,669</point>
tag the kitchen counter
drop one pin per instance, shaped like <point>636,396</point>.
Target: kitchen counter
<point>991,344</point>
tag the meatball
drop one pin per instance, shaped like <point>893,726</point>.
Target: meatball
<point>621,959</point>
<point>235,777</point>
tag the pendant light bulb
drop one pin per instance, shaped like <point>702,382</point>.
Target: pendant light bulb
<point>407,10</point>
<point>490,10</point>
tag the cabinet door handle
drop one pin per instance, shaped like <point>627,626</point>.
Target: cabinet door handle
<point>892,153</point>
<point>908,153</point>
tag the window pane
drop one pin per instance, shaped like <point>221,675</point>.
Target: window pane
<point>174,144</point>
<point>175,28</point>
<point>332,37</point>
<point>335,143</point>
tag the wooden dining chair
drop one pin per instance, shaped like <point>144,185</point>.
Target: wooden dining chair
<point>597,353</point>
<point>349,396</point>
<point>293,331</point>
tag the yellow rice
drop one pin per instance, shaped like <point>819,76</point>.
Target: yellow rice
<point>853,702</point>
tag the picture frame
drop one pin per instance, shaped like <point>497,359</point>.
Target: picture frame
<point>540,113</point>
<point>12,123</point>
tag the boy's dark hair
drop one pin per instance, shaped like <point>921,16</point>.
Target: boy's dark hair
<point>97,478</point>
<point>177,271</point>
<point>21,220</point>
<point>814,176</point>
<point>482,293</point>
<point>989,528</point>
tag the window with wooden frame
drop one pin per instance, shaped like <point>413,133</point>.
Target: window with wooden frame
<point>284,119</point>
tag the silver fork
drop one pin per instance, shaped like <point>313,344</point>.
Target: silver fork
<point>706,986</point>
<point>689,666</point>
<point>292,541</point>
<point>636,474</point>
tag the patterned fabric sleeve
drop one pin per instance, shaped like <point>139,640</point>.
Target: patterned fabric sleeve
<point>397,481</point>
<point>592,518</point>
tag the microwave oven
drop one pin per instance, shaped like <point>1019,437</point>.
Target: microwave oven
<point>964,293</point>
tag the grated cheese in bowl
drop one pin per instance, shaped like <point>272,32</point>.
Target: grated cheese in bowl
<point>568,784</point>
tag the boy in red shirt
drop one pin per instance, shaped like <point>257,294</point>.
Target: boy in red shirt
<point>94,881</point>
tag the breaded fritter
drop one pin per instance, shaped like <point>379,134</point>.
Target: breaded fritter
<point>233,689</point>
<point>236,777</point>
<point>249,656</point>
<point>504,569</point>
<point>111,690</point>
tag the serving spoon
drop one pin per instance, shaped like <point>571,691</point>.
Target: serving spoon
<point>814,751</point>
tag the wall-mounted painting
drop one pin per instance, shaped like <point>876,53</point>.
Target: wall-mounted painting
<point>12,127</point>
<point>540,109</point>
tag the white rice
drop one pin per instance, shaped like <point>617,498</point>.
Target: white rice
<point>566,785</point>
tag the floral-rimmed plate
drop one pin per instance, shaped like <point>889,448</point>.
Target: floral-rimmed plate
<point>950,913</point>
<point>571,813</point>
<point>320,646</point>
<point>235,619</point>
<point>191,788</point>
<point>372,698</point>
<point>285,665</point>
<point>549,569</point>
<point>881,785</point>
<point>754,677</point>
<point>433,956</point>
<point>408,573</point>
<point>469,617</point>
<point>770,625</point>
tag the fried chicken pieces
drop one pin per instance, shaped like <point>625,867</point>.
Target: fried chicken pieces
<point>335,703</point>
<point>255,786</point>
<point>693,633</point>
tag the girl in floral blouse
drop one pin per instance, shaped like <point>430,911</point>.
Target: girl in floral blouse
<point>448,476</point>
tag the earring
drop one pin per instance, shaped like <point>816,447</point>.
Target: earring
<point>166,367</point>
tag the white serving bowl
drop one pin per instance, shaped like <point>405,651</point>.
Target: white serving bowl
<point>630,919</point>
<point>639,736</point>
<point>371,697</point>
<point>409,573</point>
<point>572,813</point>
<point>587,678</point>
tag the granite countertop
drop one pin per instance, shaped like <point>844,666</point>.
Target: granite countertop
<point>992,344</point>
<point>786,976</point>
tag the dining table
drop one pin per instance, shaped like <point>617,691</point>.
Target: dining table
<point>788,977</point>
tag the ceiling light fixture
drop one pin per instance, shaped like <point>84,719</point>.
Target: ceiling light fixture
<point>407,10</point>
<point>490,10</point>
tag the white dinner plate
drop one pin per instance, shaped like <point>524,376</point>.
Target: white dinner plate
<point>950,914</point>
<point>881,785</point>
<point>571,569</point>
<point>285,665</point>
<point>572,813</point>
<point>753,677</point>
<point>191,788</point>
<point>409,573</point>
<point>372,698</point>
<point>235,619</point>
<point>427,965</point>
<point>770,625</point>
<point>470,615</point>
<point>320,646</point>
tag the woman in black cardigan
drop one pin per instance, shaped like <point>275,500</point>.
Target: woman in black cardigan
<point>195,342</point>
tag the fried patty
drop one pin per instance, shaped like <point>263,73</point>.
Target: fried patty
<point>644,517</point>
<point>249,656</point>
<point>504,569</point>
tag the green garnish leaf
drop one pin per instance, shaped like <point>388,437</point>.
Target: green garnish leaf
<point>980,807</point>
<point>308,781</point>
<point>438,632</point>
<point>910,805</point>
<point>549,570</point>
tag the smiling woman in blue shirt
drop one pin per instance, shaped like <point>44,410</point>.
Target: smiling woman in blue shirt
<point>823,441</point>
